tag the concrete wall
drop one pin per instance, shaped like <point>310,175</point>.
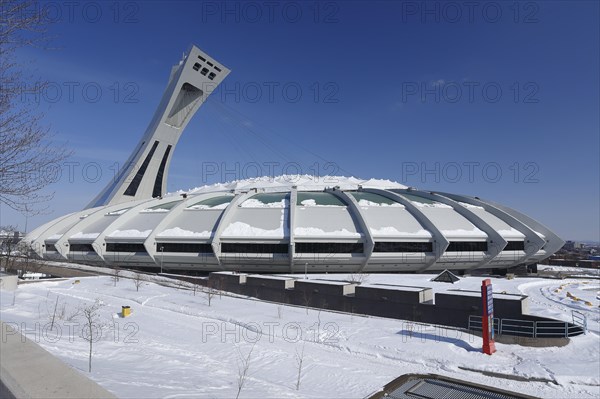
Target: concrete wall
<point>8,282</point>
<point>281,283</point>
<point>397,302</point>
<point>504,305</point>
<point>412,295</point>
<point>28,371</point>
<point>321,287</point>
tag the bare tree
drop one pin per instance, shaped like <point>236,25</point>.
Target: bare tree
<point>28,158</point>
<point>115,276</point>
<point>219,287</point>
<point>73,315</point>
<point>299,363</point>
<point>358,278</point>
<point>138,280</point>
<point>54,313</point>
<point>306,298</point>
<point>210,293</point>
<point>91,316</point>
<point>318,331</point>
<point>7,246</point>
<point>195,287</point>
<point>243,367</point>
<point>32,266</point>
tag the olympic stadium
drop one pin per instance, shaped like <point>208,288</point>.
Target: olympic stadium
<point>284,224</point>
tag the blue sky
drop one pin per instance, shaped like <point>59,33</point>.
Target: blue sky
<point>494,99</point>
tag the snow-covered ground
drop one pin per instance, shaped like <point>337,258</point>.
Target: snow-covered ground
<point>174,345</point>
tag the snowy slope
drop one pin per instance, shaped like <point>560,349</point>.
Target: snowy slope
<point>175,345</point>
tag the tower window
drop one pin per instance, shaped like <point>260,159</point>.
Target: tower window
<point>212,75</point>
<point>196,66</point>
<point>137,179</point>
<point>204,71</point>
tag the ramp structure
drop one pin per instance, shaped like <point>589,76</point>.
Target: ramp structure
<point>144,175</point>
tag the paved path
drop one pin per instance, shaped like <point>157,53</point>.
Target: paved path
<point>28,371</point>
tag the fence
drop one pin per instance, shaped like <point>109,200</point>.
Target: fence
<point>530,328</point>
<point>579,319</point>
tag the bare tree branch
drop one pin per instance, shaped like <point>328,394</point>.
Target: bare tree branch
<point>29,161</point>
<point>243,367</point>
<point>138,280</point>
<point>90,333</point>
<point>299,363</point>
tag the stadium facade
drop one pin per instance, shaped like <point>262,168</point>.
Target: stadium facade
<point>283,224</point>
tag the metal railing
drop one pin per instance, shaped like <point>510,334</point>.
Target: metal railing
<point>475,323</point>
<point>579,319</point>
<point>530,328</point>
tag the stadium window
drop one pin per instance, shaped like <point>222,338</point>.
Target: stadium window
<point>329,248</point>
<point>246,248</point>
<point>467,246</point>
<point>81,248</point>
<point>124,247</point>
<point>183,247</point>
<point>383,246</point>
<point>50,247</point>
<point>515,246</point>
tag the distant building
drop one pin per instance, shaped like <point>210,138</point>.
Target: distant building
<point>9,240</point>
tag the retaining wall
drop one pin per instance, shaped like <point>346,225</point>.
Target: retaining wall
<point>451,308</point>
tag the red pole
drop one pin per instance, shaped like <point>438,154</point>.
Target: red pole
<point>488,317</point>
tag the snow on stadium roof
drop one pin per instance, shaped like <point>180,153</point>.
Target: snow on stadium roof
<point>301,182</point>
